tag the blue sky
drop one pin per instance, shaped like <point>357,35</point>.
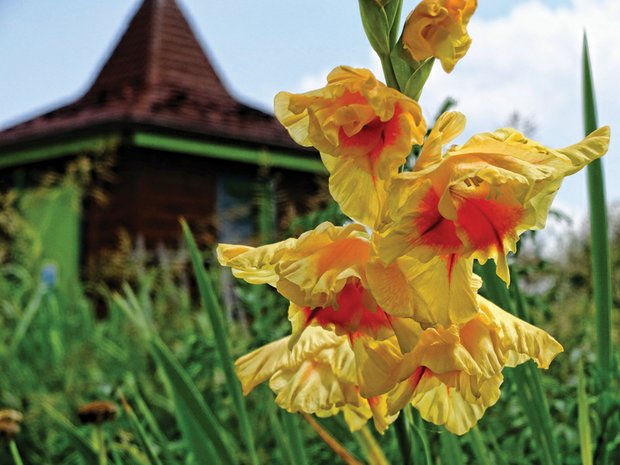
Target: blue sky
<point>524,57</point>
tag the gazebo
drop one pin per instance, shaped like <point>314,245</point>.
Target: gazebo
<point>183,145</point>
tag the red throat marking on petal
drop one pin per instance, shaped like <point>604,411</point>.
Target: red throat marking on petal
<point>415,378</point>
<point>351,317</point>
<point>433,229</point>
<point>450,263</point>
<point>487,223</point>
<point>373,138</point>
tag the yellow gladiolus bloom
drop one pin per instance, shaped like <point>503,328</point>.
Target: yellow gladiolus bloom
<point>323,274</point>
<point>332,281</point>
<point>317,376</point>
<point>364,131</point>
<point>309,271</point>
<point>438,28</point>
<point>476,199</point>
<point>454,374</point>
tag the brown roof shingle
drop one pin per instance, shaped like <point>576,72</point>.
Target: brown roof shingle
<point>158,75</point>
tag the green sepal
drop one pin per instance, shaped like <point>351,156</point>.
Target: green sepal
<point>376,25</point>
<point>402,69</point>
<point>415,84</point>
<point>393,11</point>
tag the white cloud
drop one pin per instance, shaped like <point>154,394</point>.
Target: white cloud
<point>529,61</point>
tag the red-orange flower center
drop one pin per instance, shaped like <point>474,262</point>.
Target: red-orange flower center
<point>356,312</point>
<point>434,230</point>
<point>486,223</point>
<point>372,138</point>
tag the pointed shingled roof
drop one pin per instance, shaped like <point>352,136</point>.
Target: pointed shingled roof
<point>158,76</point>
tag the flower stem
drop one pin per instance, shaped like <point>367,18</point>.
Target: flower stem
<point>388,71</point>
<point>103,460</point>
<point>15,453</point>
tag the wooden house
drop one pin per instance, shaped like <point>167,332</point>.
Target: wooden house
<point>184,146</point>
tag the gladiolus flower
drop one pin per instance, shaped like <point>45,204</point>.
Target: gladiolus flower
<point>438,28</point>
<point>323,274</point>
<point>317,376</point>
<point>309,271</point>
<point>331,280</point>
<point>364,131</point>
<point>454,374</point>
<point>476,199</point>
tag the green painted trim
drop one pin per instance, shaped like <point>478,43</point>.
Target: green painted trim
<point>228,152</point>
<point>47,151</point>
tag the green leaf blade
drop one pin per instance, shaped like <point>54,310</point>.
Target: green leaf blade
<point>601,262</point>
<point>214,311</point>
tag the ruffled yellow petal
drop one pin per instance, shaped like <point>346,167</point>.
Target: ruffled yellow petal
<point>448,126</point>
<point>380,415</point>
<point>318,375</point>
<point>518,341</point>
<point>375,408</point>
<point>310,270</point>
<point>448,399</point>
<point>364,131</point>
<point>311,387</point>
<point>437,28</point>
<point>378,365</point>
<point>440,291</point>
<point>260,365</point>
<point>254,265</point>
<point>481,347</point>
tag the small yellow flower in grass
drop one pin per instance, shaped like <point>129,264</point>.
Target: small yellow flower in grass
<point>364,131</point>
<point>317,376</point>
<point>476,199</point>
<point>438,28</point>
<point>454,374</point>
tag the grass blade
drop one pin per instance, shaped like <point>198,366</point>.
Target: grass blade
<point>15,453</point>
<point>601,264</point>
<point>451,450</point>
<point>199,426</point>
<point>369,445</point>
<point>35,303</point>
<point>282,439</point>
<point>214,311</point>
<point>412,439</point>
<point>141,433</point>
<point>338,448</point>
<point>479,448</point>
<point>585,437</point>
<point>78,442</point>
<point>292,426</point>
<point>417,426</point>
